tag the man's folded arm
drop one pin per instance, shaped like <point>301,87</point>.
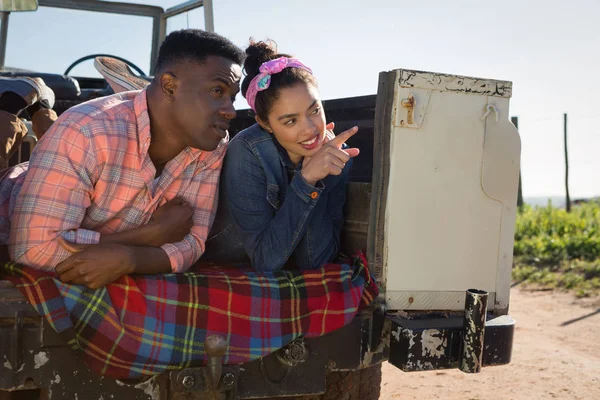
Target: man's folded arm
<point>203,195</point>
<point>53,199</point>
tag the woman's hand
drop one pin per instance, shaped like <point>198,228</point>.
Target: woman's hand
<point>330,159</point>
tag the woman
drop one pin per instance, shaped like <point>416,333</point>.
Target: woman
<point>283,184</point>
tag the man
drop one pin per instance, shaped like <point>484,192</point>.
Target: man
<point>129,183</point>
<point>17,95</point>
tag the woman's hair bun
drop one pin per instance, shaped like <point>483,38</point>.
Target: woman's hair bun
<point>258,53</point>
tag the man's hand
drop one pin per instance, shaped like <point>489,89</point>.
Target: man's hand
<point>95,265</point>
<point>172,222</point>
<point>41,119</point>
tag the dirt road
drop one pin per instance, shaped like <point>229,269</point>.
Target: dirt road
<point>556,355</point>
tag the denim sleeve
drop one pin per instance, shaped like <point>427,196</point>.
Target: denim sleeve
<point>321,243</point>
<point>270,237</point>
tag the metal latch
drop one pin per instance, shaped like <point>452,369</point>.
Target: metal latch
<point>214,378</point>
<point>411,108</point>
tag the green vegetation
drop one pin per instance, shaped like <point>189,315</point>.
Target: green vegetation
<point>556,249</point>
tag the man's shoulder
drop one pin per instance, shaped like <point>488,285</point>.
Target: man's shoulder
<point>114,109</point>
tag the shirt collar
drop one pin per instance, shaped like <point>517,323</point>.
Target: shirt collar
<point>140,107</point>
<point>283,155</point>
<point>142,117</point>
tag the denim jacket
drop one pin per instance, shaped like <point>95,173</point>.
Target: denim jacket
<point>269,214</point>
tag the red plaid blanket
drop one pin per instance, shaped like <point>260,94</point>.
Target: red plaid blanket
<point>145,325</point>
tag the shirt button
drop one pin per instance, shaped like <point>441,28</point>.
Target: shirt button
<point>314,195</point>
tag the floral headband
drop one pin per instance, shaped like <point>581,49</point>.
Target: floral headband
<point>262,81</point>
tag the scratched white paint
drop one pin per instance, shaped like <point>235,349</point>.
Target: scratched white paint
<point>150,387</point>
<point>396,333</point>
<point>455,83</point>
<point>7,365</point>
<point>411,339</point>
<point>56,380</point>
<point>40,359</point>
<point>432,344</point>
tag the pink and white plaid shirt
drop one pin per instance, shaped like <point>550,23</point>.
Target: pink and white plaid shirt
<point>91,175</point>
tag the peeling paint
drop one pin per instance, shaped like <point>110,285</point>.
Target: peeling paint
<point>396,334</point>
<point>474,329</point>
<point>411,338</point>
<point>455,83</point>
<point>7,364</point>
<point>420,366</point>
<point>40,359</point>
<point>433,343</point>
<point>150,387</point>
<point>56,379</point>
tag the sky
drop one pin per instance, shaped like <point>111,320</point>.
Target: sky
<point>549,49</point>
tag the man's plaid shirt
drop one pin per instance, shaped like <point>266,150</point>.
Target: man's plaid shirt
<point>91,175</point>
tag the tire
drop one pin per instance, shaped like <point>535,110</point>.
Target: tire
<point>362,384</point>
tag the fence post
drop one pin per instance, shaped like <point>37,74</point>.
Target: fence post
<point>567,166</point>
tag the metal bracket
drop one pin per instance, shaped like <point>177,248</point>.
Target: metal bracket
<point>199,380</point>
<point>294,353</point>
<point>411,108</point>
<point>431,341</point>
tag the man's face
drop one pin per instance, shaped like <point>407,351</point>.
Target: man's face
<point>203,100</point>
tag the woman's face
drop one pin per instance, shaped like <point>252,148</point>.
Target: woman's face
<point>297,120</point>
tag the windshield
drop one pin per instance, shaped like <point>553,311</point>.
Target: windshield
<point>51,39</point>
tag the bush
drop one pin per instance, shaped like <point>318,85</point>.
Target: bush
<point>556,249</point>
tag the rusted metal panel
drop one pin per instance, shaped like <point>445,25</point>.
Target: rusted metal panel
<point>12,301</point>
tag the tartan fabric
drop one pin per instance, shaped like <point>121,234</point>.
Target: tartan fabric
<point>145,325</point>
<point>91,174</point>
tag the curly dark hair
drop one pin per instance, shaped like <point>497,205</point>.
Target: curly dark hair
<point>257,54</point>
<point>196,45</point>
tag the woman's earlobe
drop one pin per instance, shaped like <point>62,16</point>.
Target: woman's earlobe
<point>266,127</point>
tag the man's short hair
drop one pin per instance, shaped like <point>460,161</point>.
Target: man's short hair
<point>195,45</point>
